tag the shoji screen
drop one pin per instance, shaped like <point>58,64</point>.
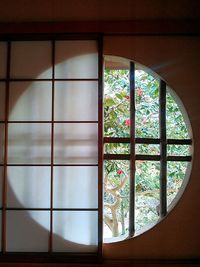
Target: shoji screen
<point>49,155</point>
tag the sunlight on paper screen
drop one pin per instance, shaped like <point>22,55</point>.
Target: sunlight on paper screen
<point>29,143</point>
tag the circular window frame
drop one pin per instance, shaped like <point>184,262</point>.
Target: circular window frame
<point>124,63</point>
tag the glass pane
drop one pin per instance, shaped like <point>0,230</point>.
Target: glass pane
<point>3,59</point>
<point>75,231</point>
<point>175,175</point>
<point>178,150</point>
<point>116,197</point>
<point>3,100</point>
<point>76,143</point>
<point>175,124</point>
<point>147,200</point>
<point>116,103</point>
<point>2,137</point>
<point>31,60</point>
<point>147,105</point>
<point>29,143</point>
<point>75,187</point>
<point>28,187</point>
<point>147,149</point>
<point>30,101</point>
<point>27,231</point>
<point>76,59</point>
<point>76,101</point>
<point>114,148</point>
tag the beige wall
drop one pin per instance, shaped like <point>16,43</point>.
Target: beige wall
<point>177,60</point>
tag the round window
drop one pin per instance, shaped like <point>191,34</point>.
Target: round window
<point>147,148</point>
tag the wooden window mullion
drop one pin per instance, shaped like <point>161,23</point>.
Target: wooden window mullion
<point>132,151</point>
<point>6,149</point>
<point>52,149</point>
<point>163,150</point>
<point>100,146</point>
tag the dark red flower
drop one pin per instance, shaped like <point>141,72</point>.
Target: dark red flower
<point>127,122</point>
<point>119,171</point>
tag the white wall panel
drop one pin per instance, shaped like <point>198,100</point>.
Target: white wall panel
<point>30,101</point>
<point>76,59</point>
<point>28,187</point>
<point>31,59</point>
<point>29,143</point>
<point>78,230</point>
<point>76,101</point>
<point>75,187</point>
<point>76,143</point>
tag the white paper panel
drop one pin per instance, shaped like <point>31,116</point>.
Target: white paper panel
<point>31,59</point>
<point>30,101</point>
<point>1,184</point>
<point>76,59</point>
<point>75,143</point>
<point>2,137</point>
<point>2,101</point>
<point>75,187</point>
<point>28,187</point>
<point>75,231</point>
<point>27,231</point>
<point>76,101</point>
<point>29,143</point>
<point>3,59</point>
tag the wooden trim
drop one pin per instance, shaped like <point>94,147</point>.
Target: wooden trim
<point>147,141</point>
<point>163,149</point>
<point>132,152</point>
<point>100,147</point>
<point>4,193</point>
<point>124,27</point>
<point>62,257</point>
<point>52,149</point>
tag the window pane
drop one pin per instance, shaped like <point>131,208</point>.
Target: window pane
<point>27,231</point>
<point>116,197</point>
<point>147,185</point>
<point>28,187</point>
<point>76,143</point>
<point>75,187</point>
<point>3,100</point>
<point>30,101</point>
<point>114,148</point>
<point>178,150</point>
<point>76,59</point>
<point>29,143</point>
<point>75,231</point>
<point>116,103</point>
<point>2,137</point>
<point>175,175</point>
<point>3,59</point>
<point>31,60</point>
<point>147,105</point>
<point>175,124</point>
<point>147,149</point>
<point>76,101</point>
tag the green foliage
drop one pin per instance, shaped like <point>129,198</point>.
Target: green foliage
<point>117,124</point>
